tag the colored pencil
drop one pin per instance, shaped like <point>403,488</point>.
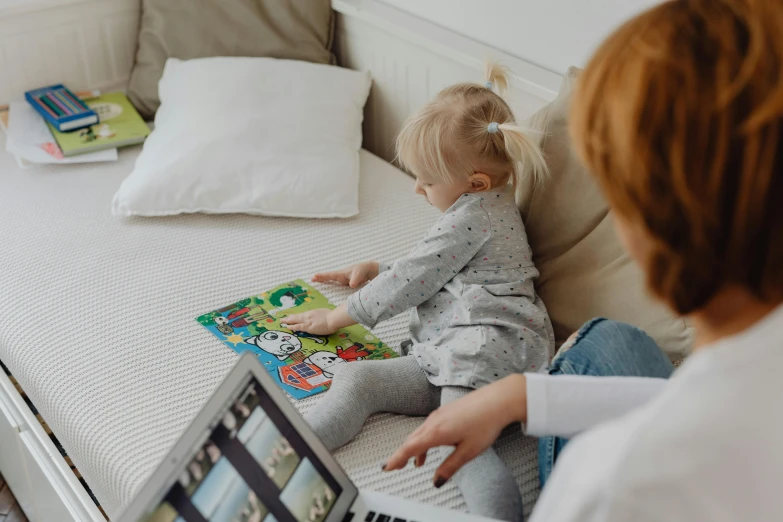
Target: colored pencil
<point>78,103</point>
<point>60,94</point>
<point>62,99</point>
<point>51,109</point>
<point>61,105</point>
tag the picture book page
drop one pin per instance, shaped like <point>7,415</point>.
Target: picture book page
<point>301,363</point>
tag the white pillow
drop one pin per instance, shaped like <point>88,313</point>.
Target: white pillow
<point>251,135</point>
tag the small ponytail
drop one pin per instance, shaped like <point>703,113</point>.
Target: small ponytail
<point>524,152</point>
<point>520,148</point>
<point>496,77</point>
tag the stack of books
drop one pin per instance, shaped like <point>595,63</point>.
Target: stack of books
<point>56,125</point>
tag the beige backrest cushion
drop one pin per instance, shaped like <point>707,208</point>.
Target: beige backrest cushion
<point>585,272</point>
<point>186,29</point>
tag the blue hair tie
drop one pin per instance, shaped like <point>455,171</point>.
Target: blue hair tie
<point>488,85</point>
<point>492,128</point>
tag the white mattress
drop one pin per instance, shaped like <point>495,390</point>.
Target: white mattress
<point>97,315</point>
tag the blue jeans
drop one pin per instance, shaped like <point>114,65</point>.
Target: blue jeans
<point>603,348</point>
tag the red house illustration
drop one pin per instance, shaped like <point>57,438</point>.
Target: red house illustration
<point>303,376</point>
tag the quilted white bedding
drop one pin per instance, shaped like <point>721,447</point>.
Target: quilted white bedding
<point>97,315</point>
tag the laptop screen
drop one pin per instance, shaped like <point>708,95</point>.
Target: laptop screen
<point>254,467</point>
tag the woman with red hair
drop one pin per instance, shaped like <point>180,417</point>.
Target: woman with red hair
<point>679,115</point>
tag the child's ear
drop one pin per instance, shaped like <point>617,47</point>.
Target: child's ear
<point>480,182</point>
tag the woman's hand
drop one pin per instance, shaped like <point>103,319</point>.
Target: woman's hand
<point>320,321</point>
<point>353,276</point>
<point>471,424</point>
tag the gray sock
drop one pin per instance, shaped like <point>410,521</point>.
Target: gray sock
<point>486,484</point>
<point>360,389</point>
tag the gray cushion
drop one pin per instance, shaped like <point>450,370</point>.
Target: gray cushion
<point>585,272</point>
<point>186,29</point>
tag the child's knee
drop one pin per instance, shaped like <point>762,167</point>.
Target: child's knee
<point>353,375</point>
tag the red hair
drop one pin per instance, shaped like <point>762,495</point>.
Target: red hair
<point>679,115</point>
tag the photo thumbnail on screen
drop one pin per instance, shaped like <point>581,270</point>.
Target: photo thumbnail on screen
<point>269,447</point>
<point>224,496</point>
<point>307,495</point>
<point>240,410</point>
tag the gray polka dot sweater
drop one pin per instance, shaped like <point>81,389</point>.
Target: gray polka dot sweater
<point>475,315</point>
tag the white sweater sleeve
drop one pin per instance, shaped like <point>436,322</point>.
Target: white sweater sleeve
<point>564,405</point>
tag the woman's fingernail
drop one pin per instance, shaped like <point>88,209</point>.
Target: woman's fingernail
<point>439,482</point>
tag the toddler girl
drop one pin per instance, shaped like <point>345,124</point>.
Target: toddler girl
<point>475,316</point>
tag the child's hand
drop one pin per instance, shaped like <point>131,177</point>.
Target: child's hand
<point>321,321</point>
<point>353,276</point>
<point>314,322</point>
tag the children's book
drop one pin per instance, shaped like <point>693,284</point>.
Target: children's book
<point>301,363</point>
<point>120,125</point>
<point>30,141</point>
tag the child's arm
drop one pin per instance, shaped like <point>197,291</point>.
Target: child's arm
<point>454,240</point>
<point>324,321</point>
<point>321,321</point>
<point>353,276</point>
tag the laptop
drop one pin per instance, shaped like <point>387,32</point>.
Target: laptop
<point>249,456</point>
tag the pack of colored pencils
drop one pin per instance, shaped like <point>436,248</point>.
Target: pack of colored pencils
<point>62,108</point>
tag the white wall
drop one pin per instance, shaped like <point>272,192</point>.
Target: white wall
<point>553,34</point>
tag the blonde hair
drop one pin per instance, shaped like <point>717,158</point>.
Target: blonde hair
<point>451,137</point>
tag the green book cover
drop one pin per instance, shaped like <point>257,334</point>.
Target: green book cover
<point>299,362</point>
<point>120,125</point>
